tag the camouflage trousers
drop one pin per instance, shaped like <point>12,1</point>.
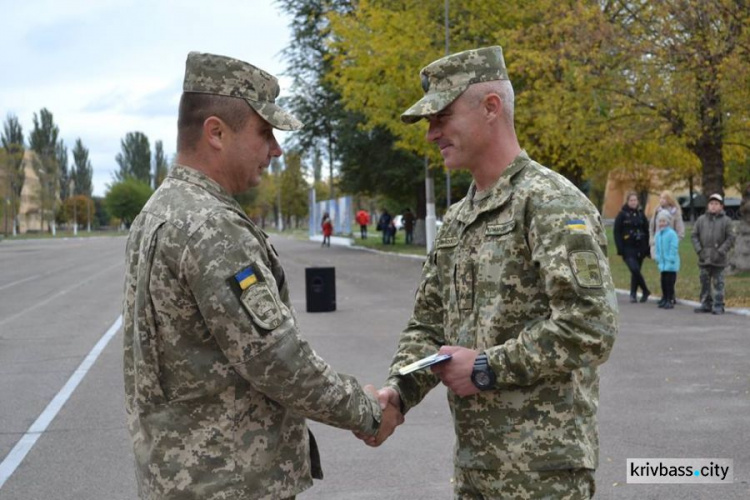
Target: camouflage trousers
<point>476,484</point>
<point>708,275</point>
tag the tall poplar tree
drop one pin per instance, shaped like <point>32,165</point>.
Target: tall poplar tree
<point>82,171</point>
<point>61,155</point>
<point>160,164</point>
<point>135,158</point>
<point>43,141</point>
<point>12,141</point>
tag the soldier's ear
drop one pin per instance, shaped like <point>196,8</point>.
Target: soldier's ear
<point>492,105</point>
<point>214,131</point>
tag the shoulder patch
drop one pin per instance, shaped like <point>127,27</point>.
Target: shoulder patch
<point>246,278</point>
<point>576,225</point>
<point>263,306</point>
<point>585,267</point>
<point>258,299</point>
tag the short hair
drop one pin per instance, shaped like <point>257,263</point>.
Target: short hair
<point>195,108</point>
<point>503,89</point>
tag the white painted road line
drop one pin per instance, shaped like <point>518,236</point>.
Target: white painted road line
<point>62,292</point>
<point>27,441</point>
<point>18,282</point>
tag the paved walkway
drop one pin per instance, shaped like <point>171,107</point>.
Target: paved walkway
<point>677,383</point>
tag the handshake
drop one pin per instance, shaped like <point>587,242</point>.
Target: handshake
<point>390,404</point>
<point>455,375</point>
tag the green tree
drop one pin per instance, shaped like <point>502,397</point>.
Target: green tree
<point>82,172</point>
<point>125,199</point>
<point>13,145</point>
<point>101,216</point>
<point>738,173</point>
<point>260,202</point>
<point>78,209</point>
<point>135,158</point>
<point>160,164</point>
<point>341,134</point>
<point>43,141</point>
<point>61,155</point>
<point>666,83</point>
<point>293,189</point>
<point>677,73</point>
<point>314,100</point>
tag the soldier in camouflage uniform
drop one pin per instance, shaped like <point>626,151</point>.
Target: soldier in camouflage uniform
<point>217,378</point>
<point>518,290</point>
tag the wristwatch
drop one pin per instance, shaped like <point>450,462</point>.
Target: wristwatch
<point>482,376</point>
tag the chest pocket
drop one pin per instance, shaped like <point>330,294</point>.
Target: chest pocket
<point>445,260</point>
<point>504,262</point>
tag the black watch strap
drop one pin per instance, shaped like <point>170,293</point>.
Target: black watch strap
<point>482,375</point>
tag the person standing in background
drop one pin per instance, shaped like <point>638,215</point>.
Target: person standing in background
<point>327,228</point>
<point>384,224</point>
<point>712,239</point>
<point>668,204</point>
<point>667,257</point>
<point>408,221</point>
<point>631,239</point>
<point>363,219</point>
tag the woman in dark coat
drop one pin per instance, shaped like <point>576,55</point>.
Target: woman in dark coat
<point>631,238</point>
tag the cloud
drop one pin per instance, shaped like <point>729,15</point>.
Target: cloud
<point>108,67</point>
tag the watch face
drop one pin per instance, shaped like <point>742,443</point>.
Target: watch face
<point>482,379</point>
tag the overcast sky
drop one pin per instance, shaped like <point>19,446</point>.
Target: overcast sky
<point>108,67</point>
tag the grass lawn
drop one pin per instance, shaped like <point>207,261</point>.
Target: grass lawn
<point>737,288</point>
<point>82,233</point>
<point>737,293</point>
<point>375,240</point>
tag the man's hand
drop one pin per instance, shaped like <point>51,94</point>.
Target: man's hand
<point>456,373</point>
<point>391,417</point>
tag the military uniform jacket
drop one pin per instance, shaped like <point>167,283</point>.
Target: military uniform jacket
<point>217,378</point>
<point>520,273</point>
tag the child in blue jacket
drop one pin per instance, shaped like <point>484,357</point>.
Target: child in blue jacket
<point>667,257</point>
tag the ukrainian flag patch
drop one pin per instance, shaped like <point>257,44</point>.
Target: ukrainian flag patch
<point>246,278</point>
<point>576,225</point>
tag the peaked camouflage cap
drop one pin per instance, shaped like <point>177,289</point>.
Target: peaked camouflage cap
<point>447,78</point>
<point>220,75</point>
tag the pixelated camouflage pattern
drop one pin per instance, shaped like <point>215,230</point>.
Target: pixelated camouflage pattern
<point>712,300</point>
<point>447,78</point>
<point>500,280</point>
<point>471,484</point>
<point>216,403</point>
<point>220,75</point>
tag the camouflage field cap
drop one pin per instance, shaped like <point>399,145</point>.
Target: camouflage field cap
<point>220,75</point>
<point>447,78</point>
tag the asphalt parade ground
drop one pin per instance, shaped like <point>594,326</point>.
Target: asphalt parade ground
<point>677,384</point>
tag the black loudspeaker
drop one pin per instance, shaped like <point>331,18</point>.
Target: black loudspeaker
<point>320,286</point>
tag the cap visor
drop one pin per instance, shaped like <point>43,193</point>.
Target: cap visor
<point>430,104</point>
<point>277,117</point>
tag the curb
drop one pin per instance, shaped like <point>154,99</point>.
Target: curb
<point>350,243</point>
<point>692,303</point>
